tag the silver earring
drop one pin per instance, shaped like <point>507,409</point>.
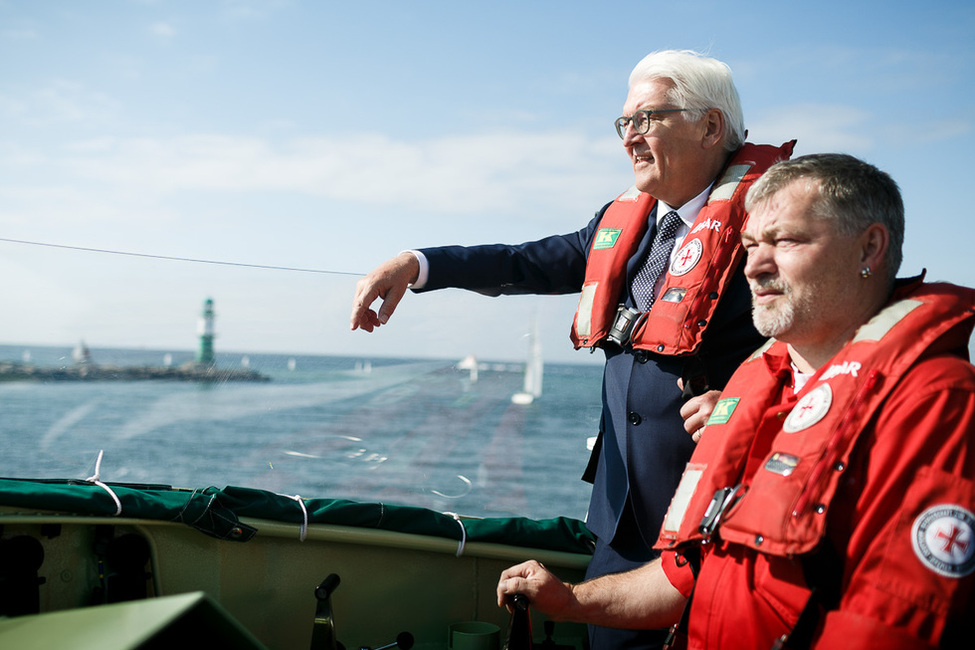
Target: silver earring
<point>865,272</point>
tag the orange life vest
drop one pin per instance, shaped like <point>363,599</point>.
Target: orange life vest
<point>779,510</point>
<point>696,279</point>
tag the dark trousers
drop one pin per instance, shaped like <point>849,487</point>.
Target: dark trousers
<point>626,551</point>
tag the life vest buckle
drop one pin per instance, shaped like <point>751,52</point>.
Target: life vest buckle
<point>722,501</point>
<point>624,323</point>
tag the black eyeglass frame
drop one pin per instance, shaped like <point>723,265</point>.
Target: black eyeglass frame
<point>622,122</point>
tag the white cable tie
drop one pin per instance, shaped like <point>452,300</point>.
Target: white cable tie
<point>463,533</point>
<point>96,480</point>
<point>303,533</point>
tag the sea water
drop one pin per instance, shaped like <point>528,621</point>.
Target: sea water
<point>401,431</point>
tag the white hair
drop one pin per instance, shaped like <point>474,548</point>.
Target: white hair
<point>700,83</point>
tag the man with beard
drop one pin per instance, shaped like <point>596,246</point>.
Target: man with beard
<point>831,500</point>
<point>661,288</point>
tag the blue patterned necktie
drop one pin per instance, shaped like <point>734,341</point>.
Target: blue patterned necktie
<point>663,245</point>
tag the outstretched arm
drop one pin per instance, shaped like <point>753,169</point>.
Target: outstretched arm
<point>388,281</point>
<point>639,599</point>
<point>551,265</point>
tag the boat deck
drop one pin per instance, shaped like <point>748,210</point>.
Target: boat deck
<point>256,593</point>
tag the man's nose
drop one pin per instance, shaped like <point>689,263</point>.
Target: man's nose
<point>759,261</point>
<point>630,136</point>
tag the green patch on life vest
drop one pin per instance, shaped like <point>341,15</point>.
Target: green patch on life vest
<point>606,238</point>
<point>723,410</point>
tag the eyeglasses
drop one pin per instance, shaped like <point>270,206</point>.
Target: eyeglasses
<point>641,120</point>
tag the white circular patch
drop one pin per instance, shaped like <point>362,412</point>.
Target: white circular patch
<point>943,538</point>
<point>687,257</point>
<point>809,410</point>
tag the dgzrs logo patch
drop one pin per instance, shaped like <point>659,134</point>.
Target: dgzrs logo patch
<point>943,538</point>
<point>809,410</point>
<point>687,258</point>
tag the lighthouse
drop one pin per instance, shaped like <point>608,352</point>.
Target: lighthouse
<point>204,355</point>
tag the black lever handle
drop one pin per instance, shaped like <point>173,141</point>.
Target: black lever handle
<point>323,634</point>
<point>520,627</point>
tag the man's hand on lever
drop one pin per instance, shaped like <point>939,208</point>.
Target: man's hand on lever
<point>642,598</point>
<point>544,591</point>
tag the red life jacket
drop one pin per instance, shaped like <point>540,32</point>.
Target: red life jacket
<point>780,508</point>
<point>697,278</point>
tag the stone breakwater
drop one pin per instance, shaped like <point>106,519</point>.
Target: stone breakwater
<point>11,371</point>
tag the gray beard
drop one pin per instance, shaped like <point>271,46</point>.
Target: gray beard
<point>772,321</point>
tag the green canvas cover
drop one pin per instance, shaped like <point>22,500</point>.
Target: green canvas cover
<point>217,512</point>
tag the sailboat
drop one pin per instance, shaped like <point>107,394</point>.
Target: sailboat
<point>532,388</point>
<point>81,353</point>
<point>469,363</point>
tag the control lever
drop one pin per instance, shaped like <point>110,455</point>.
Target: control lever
<point>323,635</point>
<point>520,627</point>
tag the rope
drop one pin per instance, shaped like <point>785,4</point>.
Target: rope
<point>303,532</point>
<point>96,480</point>
<point>189,502</point>
<point>175,259</point>
<point>463,533</point>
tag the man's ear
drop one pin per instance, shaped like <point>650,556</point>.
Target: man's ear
<point>714,128</point>
<point>874,242</point>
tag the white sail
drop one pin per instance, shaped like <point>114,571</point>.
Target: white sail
<point>469,363</point>
<point>534,368</point>
<point>81,353</point>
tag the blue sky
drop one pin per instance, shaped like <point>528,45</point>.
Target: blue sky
<point>332,135</point>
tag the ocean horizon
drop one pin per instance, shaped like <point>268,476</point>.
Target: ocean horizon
<point>420,432</point>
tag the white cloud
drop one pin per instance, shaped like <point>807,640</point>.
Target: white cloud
<point>817,127</point>
<point>59,102</point>
<point>163,30</point>
<point>910,134</point>
<point>511,172</point>
<point>252,9</point>
<point>835,127</point>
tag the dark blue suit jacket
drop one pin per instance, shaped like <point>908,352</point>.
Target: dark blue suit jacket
<point>643,444</point>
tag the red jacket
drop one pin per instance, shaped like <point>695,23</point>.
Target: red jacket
<point>861,486</point>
